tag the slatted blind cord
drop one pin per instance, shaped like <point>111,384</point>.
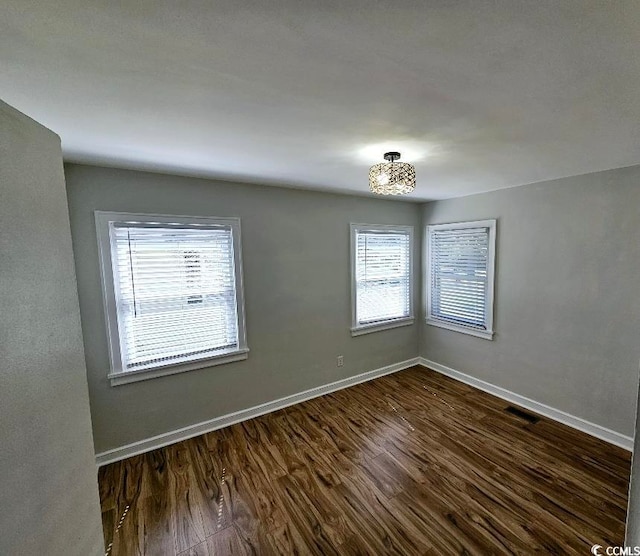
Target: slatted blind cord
<point>133,285</point>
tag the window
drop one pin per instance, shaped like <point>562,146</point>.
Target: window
<point>173,293</point>
<point>460,277</point>
<point>381,269</point>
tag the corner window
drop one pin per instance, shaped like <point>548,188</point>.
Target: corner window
<point>461,259</point>
<point>381,276</point>
<point>173,293</point>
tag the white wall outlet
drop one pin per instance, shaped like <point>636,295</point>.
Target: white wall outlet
<point>340,360</point>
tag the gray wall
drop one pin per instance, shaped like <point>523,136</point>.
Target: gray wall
<point>297,295</point>
<point>567,305</point>
<point>47,470</point>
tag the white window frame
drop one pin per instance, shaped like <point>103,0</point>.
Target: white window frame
<point>359,329</point>
<point>432,320</point>
<point>117,374</point>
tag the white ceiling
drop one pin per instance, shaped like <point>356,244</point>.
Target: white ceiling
<point>481,95</point>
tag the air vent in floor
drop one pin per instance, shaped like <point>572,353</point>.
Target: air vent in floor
<point>530,417</point>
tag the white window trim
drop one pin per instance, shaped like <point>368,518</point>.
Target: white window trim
<point>360,329</point>
<point>491,261</point>
<point>117,375</point>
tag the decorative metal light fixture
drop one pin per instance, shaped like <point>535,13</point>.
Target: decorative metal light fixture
<point>392,178</point>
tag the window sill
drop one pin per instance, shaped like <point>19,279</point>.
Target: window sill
<point>485,334</point>
<point>144,374</point>
<point>378,326</point>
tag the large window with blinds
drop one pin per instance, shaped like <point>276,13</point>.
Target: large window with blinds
<point>381,269</point>
<point>461,259</point>
<point>173,293</point>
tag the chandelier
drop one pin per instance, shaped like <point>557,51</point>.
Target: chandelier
<point>392,178</point>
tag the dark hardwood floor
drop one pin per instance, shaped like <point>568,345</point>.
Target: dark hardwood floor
<point>411,463</point>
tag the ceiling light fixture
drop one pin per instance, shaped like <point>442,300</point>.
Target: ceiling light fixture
<point>392,178</point>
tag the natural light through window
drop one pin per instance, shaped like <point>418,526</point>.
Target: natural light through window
<point>460,277</point>
<point>381,277</point>
<point>173,292</point>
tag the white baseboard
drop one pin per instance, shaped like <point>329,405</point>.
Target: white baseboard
<point>184,433</point>
<point>172,437</point>
<point>592,429</point>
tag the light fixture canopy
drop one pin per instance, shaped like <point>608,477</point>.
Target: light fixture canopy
<point>392,178</point>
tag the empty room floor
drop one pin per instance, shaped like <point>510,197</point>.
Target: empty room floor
<point>410,463</point>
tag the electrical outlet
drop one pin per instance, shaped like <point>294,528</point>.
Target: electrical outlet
<point>340,360</point>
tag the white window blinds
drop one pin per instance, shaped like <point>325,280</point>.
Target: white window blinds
<point>382,275</point>
<point>461,274</point>
<point>175,293</point>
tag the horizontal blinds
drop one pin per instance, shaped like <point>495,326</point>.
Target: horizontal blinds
<point>458,262</point>
<point>382,276</point>
<point>175,290</point>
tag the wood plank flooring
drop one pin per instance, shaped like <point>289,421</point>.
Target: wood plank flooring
<point>410,463</point>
